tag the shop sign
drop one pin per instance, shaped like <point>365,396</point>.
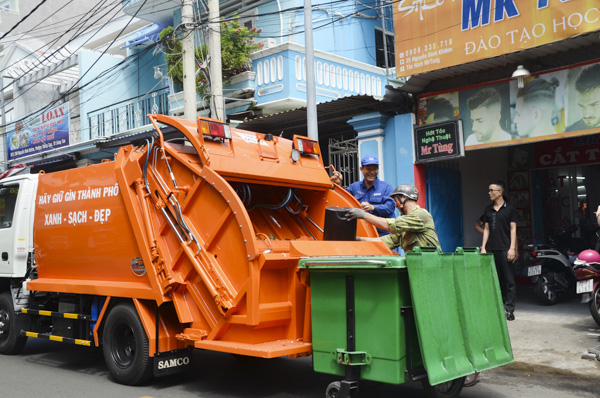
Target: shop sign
<point>436,34</point>
<point>438,141</point>
<point>43,132</point>
<point>553,105</point>
<point>568,152</point>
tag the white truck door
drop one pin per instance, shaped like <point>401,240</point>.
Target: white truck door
<point>8,200</point>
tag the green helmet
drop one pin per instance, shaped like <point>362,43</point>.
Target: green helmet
<point>410,191</point>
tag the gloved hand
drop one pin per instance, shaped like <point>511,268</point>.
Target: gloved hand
<point>352,214</point>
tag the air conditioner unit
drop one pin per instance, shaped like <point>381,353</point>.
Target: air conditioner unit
<point>268,42</point>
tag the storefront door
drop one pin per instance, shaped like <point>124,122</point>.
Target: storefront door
<point>564,200</point>
<point>444,195</point>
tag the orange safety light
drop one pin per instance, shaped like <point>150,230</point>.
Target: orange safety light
<point>204,127</point>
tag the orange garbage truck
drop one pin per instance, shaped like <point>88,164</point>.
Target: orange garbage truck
<point>191,240</point>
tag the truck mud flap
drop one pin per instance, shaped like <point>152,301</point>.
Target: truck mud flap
<point>459,313</point>
<point>171,362</point>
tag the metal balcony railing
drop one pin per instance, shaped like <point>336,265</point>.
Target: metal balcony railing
<point>127,115</point>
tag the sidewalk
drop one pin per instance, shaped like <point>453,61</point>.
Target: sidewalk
<point>552,339</point>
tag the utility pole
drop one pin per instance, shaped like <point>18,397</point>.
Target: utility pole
<point>311,91</point>
<point>385,49</point>
<point>3,132</point>
<point>189,61</point>
<point>217,106</point>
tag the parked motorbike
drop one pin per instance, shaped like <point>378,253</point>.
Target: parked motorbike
<point>549,267</point>
<point>549,271</point>
<point>587,271</point>
<point>564,241</point>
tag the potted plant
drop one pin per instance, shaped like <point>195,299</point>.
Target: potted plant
<point>236,44</point>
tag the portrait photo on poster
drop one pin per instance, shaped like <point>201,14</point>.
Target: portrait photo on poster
<point>438,108</point>
<point>538,107</point>
<point>486,114</point>
<point>583,93</point>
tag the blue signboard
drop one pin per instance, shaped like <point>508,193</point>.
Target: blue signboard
<point>44,132</point>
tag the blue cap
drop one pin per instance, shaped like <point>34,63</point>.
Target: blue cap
<point>367,160</point>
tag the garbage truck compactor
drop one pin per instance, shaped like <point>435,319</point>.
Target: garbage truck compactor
<point>191,239</point>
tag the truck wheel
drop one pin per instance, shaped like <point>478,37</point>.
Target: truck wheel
<point>126,346</point>
<point>449,389</point>
<point>545,289</point>
<point>595,305</point>
<point>11,341</point>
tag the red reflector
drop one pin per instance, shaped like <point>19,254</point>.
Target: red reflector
<point>308,147</point>
<point>305,146</point>
<point>533,254</point>
<point>217,130</point>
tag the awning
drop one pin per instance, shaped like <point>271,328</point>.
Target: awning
<point>332,116</point>
<point>148,35</point>
<point>138,137</point>
<point>55,163</point>
<point>12,171</point>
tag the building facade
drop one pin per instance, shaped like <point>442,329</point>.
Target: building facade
<point>112,85</point>
<point>522,78</point>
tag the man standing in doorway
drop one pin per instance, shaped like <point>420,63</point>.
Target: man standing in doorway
<point>500,239</point>
<point>372,193</point>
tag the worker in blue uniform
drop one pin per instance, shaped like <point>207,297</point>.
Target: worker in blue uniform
<point>372,193</point>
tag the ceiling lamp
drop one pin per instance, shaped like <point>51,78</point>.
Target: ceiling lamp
<point>520,74</point>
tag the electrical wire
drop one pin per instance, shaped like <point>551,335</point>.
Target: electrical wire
<point>71,91</point>
<point>23,19</point>
<point>48,56</point>
<point>104,52</point>
<point>57,65</point>
<point>42,32</point>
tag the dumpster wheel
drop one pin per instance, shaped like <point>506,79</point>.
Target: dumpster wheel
<point>341,389</point>
<point>449,389</point>
<point>333,390</point>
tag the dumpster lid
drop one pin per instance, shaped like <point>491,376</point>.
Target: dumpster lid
<point>458,312</point>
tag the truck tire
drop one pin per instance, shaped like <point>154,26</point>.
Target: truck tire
<point>11,341</point>
<point>126,346</point>
<point>449,389</point>
<point>595,305</point>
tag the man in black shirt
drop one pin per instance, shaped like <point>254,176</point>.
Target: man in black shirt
<point>500,239</point>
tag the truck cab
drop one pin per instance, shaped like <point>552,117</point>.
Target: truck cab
<point>17,207</point>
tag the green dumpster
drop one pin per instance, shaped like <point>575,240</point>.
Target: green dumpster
<point>394,319</point>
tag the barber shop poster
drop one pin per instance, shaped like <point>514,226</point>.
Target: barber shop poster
<point>41,133</point>
<point>436,34</point>
<point>551,105</point>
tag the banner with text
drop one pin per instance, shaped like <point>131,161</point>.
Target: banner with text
<point>436,34</point>
<point>43,132</point>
